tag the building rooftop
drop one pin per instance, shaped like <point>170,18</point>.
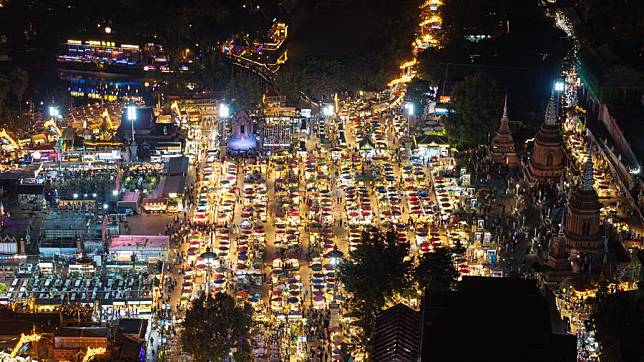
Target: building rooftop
<point>87,332</point>
<point>497,319</point>
<point>143,241</point>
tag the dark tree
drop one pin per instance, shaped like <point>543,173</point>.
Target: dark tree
<point>431,65</point>
<point>436,270</point>
<point>19,81</point>
<point>478,106</point>
<point>214,326</point>
<point>245,91</point>
<point>374,272</point>
<point>619,322</point>
<point>417,94</point>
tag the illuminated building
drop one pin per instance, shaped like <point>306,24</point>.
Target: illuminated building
<point>581,239</point>
<point>582,216</point>
<point>243,138</point>
<point>547,160</point>
<point>280,125</point>
<point>269,52</point>
<point>115,55</point>
<point>503,152</point>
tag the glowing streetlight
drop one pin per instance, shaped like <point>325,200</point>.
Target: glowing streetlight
<point>75,196</point>
<point>209,258</point>
<point>131,116</point>
<point>115,192</point>
<point>409,107</point>
<point>328,110</point>
<point>224,110</point>
<point>560,86</point>
<point>335,256</point>
<point>54,112</point>
<point>106,206</point>
<point>107,30</point>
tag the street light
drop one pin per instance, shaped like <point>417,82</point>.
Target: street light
<point>559,86</point>
<point>335,256</point>
<point>209,258</point>
<point>54,112</point>
<point>328,110</point>
<point>224,110</point>
<point>131,116</point>
<point>409,107</point>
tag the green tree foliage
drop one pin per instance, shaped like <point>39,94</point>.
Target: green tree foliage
<point>436,270</point>
<point>374,272</point>
<point>478,106</point>
<point>213,327</point>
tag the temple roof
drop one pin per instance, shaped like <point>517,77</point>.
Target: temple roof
<point>552,110</point>
<point>503,134</point>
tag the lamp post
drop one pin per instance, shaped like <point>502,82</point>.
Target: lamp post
<point>131,116</point>
<point>209,258</point>
<point>335,256</point>
<point>409,111</point>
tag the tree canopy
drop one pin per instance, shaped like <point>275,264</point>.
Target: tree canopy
<point>436,270</point>
<point>214,326</point>
<point>619,322</point>
<point>375,270</point>
<point>478,106</point>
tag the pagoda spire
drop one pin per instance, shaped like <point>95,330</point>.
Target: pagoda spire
<point>505,122</point>
<point>561,228</point>
<point>588,171</point>
<point>552,110</point>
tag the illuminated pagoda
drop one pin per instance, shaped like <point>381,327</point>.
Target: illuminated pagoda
<point>242,139</point>
<point>547,160</point>
<point>503,152</point>
<point>581,231</point>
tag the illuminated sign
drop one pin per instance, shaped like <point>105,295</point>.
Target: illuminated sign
<point>444,99</point>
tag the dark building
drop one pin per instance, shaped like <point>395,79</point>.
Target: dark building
<point>397,335</point>
<point>494,319</point>
<point>177,166</point>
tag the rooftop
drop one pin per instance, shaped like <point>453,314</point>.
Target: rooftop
<point>142,241</point>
